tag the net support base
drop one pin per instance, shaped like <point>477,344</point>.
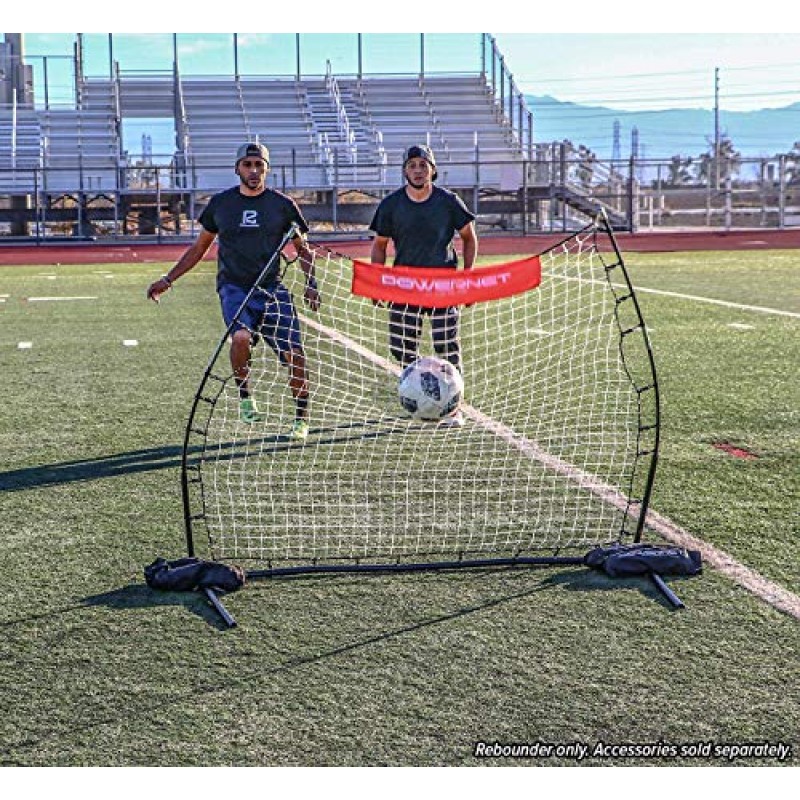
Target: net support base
<point>311,569</point>
<point>227,618</point>
<point>323,569</point>
<point>662,587</point>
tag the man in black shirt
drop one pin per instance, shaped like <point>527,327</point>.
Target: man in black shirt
<point>250,221</point>
<point>421,220</point>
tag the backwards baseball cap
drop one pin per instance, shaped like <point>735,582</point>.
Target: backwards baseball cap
<point>252,149</point>
<point>421,151</point>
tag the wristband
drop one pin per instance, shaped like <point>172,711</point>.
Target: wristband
<point>311,282</point>
<point>167,279</point>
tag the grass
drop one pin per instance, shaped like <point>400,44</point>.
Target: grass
<point>366,670</point>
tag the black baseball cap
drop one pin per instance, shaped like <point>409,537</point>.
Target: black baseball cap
<point>252,149</point>
<point>421,151</point>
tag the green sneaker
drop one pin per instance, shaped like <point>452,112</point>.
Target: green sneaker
<point>299,430</point>
<point>248,411</point>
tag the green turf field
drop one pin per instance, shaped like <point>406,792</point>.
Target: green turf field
<point>410,669</point>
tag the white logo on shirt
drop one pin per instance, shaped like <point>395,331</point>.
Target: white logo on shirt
<point>249,219</point>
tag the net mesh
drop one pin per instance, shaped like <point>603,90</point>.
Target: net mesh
<point>559,420</point>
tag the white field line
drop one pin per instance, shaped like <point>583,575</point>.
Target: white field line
<point>351,344</point>
<point>696,298</point>
<point>56,299</point>
<point>766,590</point>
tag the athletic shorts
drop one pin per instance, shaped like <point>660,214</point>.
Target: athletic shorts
<point>269,314</point>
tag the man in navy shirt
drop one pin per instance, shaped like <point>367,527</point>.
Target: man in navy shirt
<point>421,220</point>
<point>250,221</point>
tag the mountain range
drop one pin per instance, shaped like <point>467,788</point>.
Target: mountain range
<point>663,134</point>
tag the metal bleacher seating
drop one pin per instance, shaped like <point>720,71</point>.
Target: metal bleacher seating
<point>280,113</point>
<point>325,131</point>
<point>322,131</point>
<point>455,115</point>
<point>81,147</point>
<point>20,150</point>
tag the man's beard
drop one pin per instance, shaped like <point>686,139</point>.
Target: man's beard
<point>251,182</point>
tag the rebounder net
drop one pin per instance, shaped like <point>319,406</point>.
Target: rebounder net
<point>556,454</point>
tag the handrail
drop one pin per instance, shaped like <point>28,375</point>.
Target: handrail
<point>245,118</point>
<point>184,143</point>
<point>326,157</point>
<point>343,121</point>
<point>506,104</point>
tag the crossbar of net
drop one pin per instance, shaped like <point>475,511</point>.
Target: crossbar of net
<point>553,411</point>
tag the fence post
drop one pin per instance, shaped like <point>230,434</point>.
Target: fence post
<point>36,203</point>
<point>632,195</point>
<point>335,190</point>
<point>525,165</point>
<point>728,202</point>
<point>476,188</point>
<point>158,204</point>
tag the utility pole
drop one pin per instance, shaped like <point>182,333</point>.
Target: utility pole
<point>716,128</point>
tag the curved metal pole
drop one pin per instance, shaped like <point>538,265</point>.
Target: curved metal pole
<point>293,232</point>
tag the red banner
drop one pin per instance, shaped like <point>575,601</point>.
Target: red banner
<point>439,287</point>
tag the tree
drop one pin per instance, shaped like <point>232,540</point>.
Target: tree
<point>793,165</point>
<point>717,171</point>
<point>680,172</point>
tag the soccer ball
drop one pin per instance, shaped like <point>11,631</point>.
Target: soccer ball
<point>430,389</point>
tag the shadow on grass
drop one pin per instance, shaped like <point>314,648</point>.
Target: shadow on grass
<point>592,580</point>
<point>141,596</point>
<point>91,468</point>
<point>133,596</point>
<point>574,578</point>
<point>170,456</point>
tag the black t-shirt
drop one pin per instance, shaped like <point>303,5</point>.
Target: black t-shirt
<point>422,232</point>
<point>249,230</point>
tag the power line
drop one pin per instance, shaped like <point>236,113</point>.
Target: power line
<point>636,75</point>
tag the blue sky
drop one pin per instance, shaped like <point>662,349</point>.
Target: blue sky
<point>616,54</point>
<point>628,71</point>
<point>648,71</point>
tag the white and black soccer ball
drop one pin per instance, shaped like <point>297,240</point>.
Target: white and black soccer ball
<point>430,389</point>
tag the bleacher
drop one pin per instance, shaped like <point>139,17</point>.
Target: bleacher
<point>321,131</point>
<point>277,113</point>
<point>340,131</point>
<point>20,150</point>
<point>301,123</point>
<point>81,150</point>
<point>455,115</point>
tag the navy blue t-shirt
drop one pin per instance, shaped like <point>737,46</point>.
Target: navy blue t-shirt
<point>422,232</point>
<point>249,230</point>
